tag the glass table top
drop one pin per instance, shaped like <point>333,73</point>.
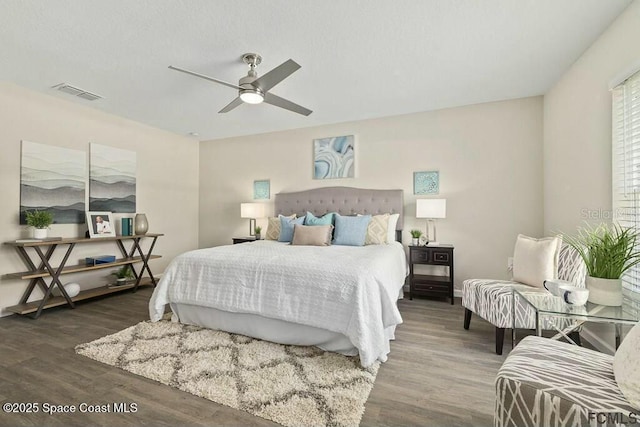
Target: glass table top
<point>629,311</point>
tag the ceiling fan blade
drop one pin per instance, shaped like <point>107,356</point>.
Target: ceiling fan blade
<point>202,76</point>
<point>276,75</point>
<point>272,99</point>
<point>233,104</point>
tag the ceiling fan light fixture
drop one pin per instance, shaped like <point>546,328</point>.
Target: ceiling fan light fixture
<point>251,96</point>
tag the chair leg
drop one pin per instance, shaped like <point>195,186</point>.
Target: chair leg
<point>499,340</point>
<point>467,318</point>
<point>575,336</point>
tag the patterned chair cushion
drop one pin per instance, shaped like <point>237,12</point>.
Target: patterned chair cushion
<point>491,299</point>
<point>625,366</point>
<point>551,383</point>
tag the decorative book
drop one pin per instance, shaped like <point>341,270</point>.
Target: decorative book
<point>100,259</point>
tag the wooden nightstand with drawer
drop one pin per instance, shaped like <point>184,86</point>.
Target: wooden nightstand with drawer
<point>431,285</point>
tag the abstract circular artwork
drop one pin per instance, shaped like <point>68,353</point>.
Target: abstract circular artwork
<point>333,157</point>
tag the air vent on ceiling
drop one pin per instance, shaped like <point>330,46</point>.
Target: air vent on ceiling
<point>72,90</point>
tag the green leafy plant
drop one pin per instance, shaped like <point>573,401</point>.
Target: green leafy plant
<point>258,229</point>
<point>415,233</point>
<point>607,250</point>
<point>38,219</point>
<point>124,272</point>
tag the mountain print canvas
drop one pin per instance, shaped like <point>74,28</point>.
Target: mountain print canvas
<point>53,179</point>
<point>112,179</point>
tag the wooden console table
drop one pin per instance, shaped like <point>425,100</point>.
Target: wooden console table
<point>37,274</point>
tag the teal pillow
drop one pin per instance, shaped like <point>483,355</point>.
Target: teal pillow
<point>326,219</point>
<point>286,227</point>
<point>351,230</point>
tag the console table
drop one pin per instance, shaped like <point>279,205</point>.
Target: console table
<point>37,274</point>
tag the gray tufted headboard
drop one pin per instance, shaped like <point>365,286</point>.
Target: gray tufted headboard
<point>344,200</point>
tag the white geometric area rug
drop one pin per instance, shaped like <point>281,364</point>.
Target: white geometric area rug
<point>291,385</point>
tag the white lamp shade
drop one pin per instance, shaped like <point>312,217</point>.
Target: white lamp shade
<point>252,210</point>
<point>431,208</point>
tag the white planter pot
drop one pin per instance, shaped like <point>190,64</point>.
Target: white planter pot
<point>40,233</point>
<point>414,241</point>
<point>604,291</point>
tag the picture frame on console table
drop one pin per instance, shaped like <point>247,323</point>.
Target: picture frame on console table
<point>100,224</point>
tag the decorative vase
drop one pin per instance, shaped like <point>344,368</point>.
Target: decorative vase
<point>415,241</point>
<point>141,224</point>
<point>604,291</point>
<point>40,233</point>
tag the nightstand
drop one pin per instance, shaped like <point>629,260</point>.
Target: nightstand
<point>428,284</point>
<point>237,240</point>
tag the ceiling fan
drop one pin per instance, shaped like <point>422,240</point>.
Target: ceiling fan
<point>253,89</point>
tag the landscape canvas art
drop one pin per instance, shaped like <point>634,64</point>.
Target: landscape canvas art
<point>333,157</point>
<point>53,179</point>
<point>112,179</point>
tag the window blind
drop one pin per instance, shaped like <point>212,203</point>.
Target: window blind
<point>626,162</point>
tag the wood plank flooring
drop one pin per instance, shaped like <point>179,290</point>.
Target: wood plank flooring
<point>437,374</point>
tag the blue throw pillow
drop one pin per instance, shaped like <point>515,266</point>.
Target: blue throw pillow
<point>286,227</point>
<point>351,230</point>
<point>326,219</point>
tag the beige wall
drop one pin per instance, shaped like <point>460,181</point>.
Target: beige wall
<point>489,157</point>
<point>577,136</point>
<point>167,178</point>
<point>577,127</point>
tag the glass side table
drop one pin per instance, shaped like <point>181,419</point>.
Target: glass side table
<point>564,318</point>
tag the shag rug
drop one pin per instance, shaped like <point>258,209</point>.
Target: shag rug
<point>291,385</point>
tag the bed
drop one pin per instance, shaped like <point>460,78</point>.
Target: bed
<point>339,298</point>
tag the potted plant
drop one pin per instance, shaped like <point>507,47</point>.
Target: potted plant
<point>123,274</point>
<point>608,252</point>
<point>415,237</point>
<point>258,232</point>
<point>40,221</point>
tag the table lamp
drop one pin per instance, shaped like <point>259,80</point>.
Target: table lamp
<point>431,209</point>
<point>252,211</point>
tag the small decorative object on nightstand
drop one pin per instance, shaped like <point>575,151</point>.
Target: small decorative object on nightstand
<point>427,284</point>
<point>237,240</point>
<point>258,232</point>
<point>415,237</point>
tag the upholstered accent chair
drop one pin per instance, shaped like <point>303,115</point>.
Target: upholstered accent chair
<point>492,299</point>
<point>544,382</point>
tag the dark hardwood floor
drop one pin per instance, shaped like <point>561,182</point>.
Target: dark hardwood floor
<point>437,373</point>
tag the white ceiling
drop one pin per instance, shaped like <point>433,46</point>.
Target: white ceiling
<point>360,59</point>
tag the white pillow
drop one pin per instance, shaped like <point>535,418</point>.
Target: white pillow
<point>391,228</point>
<point>536,260</point>
<point>625,367</point>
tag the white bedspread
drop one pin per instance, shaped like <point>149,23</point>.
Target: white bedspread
<point>349,290</point>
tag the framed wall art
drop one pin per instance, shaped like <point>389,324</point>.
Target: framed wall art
<point>53,179</point>
<point>426,182</point>
<point>261,189</point>
<point>334,157</point>
<point>112,179</point>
